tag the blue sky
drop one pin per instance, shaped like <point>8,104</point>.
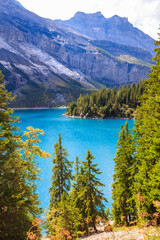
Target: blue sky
<point>143,14</point>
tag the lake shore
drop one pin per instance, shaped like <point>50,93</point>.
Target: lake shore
<point>40,108</point>
<point>84,117</point>
<point>70,116</point>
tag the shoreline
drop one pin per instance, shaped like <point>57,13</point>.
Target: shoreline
<point>40,108</point>
<point>98,118</point>
<point>70,116</point>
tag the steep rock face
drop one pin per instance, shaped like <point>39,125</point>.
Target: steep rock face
<point>100,67</point>
<point>119,49</point>
<point>115,29</point>
<point>46,63</point>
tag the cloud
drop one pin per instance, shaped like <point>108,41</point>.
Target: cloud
<point>143,14</point>
<point>148,17</point>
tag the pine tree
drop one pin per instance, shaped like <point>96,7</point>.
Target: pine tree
<point>76,184</point>
<point>90,194</point>
<point>18,198</point>
<point>62,173</point>
<point>108,103</point>
<point>66,223</point>
<point>148,142</point>
<point>123,179</point>
<point>61,181</point>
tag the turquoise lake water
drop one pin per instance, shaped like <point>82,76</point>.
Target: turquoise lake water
<point>78,135</point>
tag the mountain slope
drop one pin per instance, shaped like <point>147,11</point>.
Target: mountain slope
<point>119,49</point>
<point>48,64</point>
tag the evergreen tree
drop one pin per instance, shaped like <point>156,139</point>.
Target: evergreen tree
<point>123,179</point>
<point>90,194</point>
<point>61,181</point>
<point>18,172</point>
<point>148,142</point>
<point>66,223</point>
<point>108,103</point>
<point>62,173</point>
<point>76,184</point>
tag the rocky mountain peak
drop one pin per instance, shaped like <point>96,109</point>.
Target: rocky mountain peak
<point>79,14</point>
<point>81,18</point>
<point>86,15</point>
<point>119,19</point>
<point>116,29</point>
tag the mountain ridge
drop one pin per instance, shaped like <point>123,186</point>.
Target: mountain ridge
<point>49,64</point>
<point>96,26</point>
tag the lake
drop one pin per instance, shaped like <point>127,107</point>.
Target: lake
<point>78,135</point>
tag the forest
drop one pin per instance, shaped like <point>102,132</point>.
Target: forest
<point>77,202</point>
<point>108,103</point>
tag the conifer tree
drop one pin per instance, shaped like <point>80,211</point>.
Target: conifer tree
<point>90,194</point>
<point>148,142</point>
<point>108,103</point>
<point>124,210</point>
<point>76,184</point>
<point>62,173</point>
<point>61,182</point>
<point>66,223</point>
<point>18,172</point>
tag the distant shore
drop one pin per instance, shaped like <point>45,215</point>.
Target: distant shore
<point>40,108</point>
<point>84,117</point>
<point>70,116</point>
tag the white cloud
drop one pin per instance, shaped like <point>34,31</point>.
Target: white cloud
<point>143,14</point>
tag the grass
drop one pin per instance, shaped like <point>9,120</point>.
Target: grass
<point>124,58</point>
<point>133,60</point>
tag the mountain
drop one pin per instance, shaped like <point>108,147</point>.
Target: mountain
<point>48,63</point>
<point>115,29</point>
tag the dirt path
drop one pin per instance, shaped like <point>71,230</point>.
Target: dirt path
<point>130,234</point>
<point>120,235</point>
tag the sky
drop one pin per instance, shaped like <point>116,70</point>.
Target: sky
<point>143,14</point>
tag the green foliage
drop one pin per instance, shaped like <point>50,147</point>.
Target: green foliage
<point>62,173</point>
<point>136,187</point>
<point>65,219</point>
<point>147,130</point>
<point>108,102</point>
<point>76,184</point>
<point>124,210</point>
<point>89,196</point>
<point>18,151</point>
<point>71,213</point>
<point>61,182</point>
